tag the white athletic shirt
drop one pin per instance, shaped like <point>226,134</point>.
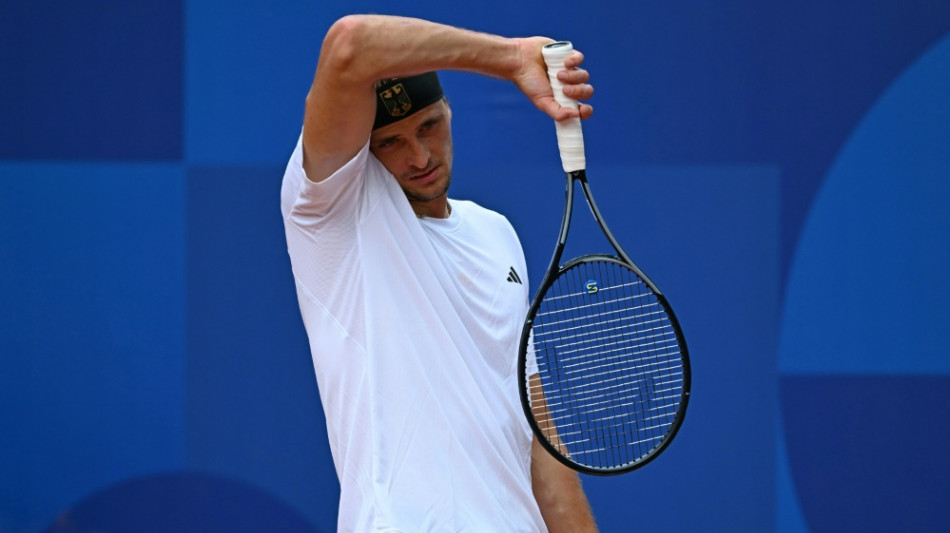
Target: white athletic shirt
<point>414,329</point>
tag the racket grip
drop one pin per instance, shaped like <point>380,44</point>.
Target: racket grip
<point>570,137</point>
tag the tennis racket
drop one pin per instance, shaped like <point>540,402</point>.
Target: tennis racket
<point>603,368</point>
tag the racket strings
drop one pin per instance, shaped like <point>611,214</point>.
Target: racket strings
<point>606,395</point>
<point>610,374</point>
<point>621,323</point>
<point>584,350</point>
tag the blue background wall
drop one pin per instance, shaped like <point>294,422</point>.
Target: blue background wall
<point>780,168</point>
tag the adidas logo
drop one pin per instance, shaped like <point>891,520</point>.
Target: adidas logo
<point>513,276</point>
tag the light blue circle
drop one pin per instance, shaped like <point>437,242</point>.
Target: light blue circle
<point>868,291</point>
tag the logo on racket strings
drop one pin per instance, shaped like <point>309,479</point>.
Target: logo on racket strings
<point>591,286</point>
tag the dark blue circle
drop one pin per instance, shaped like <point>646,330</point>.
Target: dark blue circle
<point>180,503</point>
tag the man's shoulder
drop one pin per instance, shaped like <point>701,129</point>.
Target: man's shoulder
<point>483,218</point>
<point>473,209</point>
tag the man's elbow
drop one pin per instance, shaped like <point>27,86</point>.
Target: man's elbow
<point>344,44</point>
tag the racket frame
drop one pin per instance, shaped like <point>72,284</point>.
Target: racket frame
<point>552,273</point>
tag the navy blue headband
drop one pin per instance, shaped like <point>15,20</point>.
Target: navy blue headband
<point>398,98</point>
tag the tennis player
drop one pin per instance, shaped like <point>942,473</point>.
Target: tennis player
<point>413,302</point>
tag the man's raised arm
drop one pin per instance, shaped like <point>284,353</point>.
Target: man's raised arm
<point>359,50</point>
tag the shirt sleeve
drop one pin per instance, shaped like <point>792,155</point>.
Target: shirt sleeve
<point>320,224</point>
<point>304,199</point>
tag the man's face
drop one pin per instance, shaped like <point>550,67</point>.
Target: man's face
<point>418,152</point>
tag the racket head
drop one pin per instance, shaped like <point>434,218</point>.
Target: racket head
<point>604,371</point>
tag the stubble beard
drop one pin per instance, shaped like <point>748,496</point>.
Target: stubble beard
<point>417,196</point>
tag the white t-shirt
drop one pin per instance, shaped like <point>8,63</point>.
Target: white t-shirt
<point>414,327</point>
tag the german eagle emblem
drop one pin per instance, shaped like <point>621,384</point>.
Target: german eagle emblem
<point>396,100</point>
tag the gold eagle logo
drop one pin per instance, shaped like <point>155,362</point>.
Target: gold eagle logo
<point>396,100</point>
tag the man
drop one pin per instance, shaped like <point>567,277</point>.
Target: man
<point>413,324</point>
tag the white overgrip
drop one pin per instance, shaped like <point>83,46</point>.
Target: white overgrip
<point>570,137</point>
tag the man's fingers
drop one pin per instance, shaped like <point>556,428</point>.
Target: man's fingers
<point>575,85</point>
<point>579,92</point>
<point>557,111</point>
<point>586,111</point>
<point>574,60</point>
<point>573,76</point>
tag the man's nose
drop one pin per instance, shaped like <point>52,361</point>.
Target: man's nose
<point>418,154</point>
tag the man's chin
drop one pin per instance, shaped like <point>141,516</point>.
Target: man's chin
<point>427,194</point>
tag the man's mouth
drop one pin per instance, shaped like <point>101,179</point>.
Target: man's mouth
<point>424,175</point>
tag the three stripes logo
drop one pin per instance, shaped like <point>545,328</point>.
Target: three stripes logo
<point>513,276</point>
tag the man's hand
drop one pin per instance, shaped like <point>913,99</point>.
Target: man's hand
<point>532,79</point>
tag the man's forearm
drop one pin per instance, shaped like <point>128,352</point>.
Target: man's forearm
<point>373,47</point>
<point>560,495</point>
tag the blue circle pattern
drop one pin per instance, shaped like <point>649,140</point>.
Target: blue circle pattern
<point>863,365</point>
<point>184,502</point>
